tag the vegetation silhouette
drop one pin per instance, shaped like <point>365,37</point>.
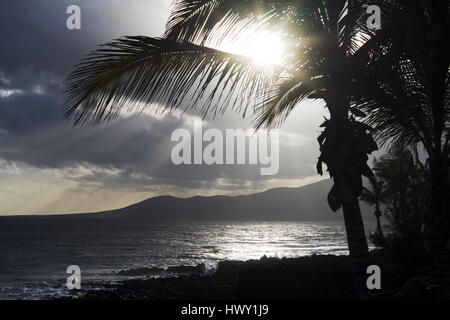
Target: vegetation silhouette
<point>401,189</point>
<point>403,185</point>
<point>375,195</point>
<point>410,107</point>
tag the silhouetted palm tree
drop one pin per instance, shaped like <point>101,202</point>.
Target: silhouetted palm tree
<point>331,46</point>
<point>375,197</point>
<point>410,106</point>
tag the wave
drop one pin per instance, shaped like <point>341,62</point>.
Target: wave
<point>198,269</point>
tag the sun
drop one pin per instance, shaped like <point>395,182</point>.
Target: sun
<point>264,47</point>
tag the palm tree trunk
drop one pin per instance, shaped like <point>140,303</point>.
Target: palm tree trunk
<point>357,243</point>
<point>379,228</point>
<point>439,222</point>
<point>443,272</point>
<point>345,164</point>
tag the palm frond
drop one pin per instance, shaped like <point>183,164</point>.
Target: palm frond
<point>352,25</point>
<point>284,96</point>
<point>396,102</point>
<point>134,73</point>
<point>198,21</point>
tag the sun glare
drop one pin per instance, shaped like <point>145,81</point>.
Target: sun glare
<point>265,48</point>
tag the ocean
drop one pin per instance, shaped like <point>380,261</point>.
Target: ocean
<point>35,253</point>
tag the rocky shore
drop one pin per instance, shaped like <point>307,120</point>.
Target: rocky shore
<point>306,278</point>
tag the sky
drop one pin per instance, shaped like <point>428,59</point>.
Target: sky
<point>49,166</point>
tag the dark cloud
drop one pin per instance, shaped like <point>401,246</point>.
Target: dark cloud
<point>139,146</point>
<point>38,49</point>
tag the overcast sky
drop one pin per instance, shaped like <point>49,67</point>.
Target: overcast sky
<point>49,166</point>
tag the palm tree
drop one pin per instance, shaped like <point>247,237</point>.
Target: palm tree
<point>331,46</point>
<point>412,106</point>
<point>375,196</point>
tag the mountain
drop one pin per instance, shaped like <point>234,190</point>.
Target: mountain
<point>306,203</point>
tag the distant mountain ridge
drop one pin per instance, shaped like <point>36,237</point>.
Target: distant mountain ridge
<point>306,203</point>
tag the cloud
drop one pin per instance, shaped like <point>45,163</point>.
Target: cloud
<point>42,51</point>
<point>3,132</point>
<point>9,167</point>
<point>131,154</point>
<point>6,93</point>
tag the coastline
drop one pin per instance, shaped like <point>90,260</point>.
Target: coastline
<point>316,277</point>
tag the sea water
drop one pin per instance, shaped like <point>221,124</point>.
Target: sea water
<point>35,253</point>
